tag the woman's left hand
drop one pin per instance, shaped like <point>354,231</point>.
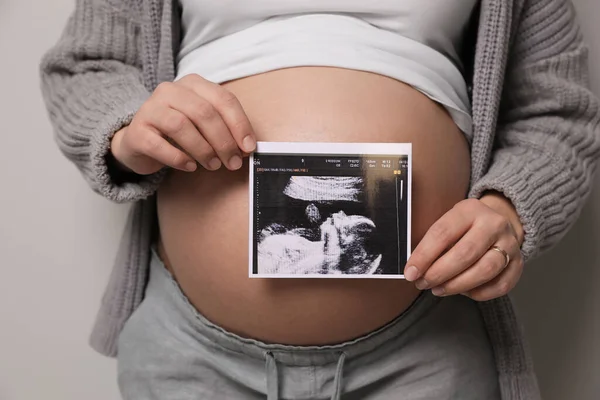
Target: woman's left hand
<point>456,255</point>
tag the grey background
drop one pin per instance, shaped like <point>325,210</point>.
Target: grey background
<point>50,221</point>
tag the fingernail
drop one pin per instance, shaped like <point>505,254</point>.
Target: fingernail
<point>215,163</point>
<point>438,291</point>
<point>190,166</point>
<point>411,273</point>
<point>235,162</point>
<point>249,144</point>
<point>422,284</point>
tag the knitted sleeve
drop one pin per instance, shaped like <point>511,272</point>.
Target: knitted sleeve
<point>548,137</point>
<point>91,82</point>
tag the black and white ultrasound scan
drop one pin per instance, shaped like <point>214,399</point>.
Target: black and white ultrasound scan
<point>330,210</point>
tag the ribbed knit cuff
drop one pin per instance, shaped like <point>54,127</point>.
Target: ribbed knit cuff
<point>533,183</point>
<point>86,117</point>
<point>122,102</point>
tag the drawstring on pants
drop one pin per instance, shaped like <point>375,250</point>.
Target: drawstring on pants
<point>273,378</point>
<point>337,381</point>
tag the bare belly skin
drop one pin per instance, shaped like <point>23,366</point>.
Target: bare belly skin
<point>203,216</point>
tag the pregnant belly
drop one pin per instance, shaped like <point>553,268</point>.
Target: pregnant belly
<point>203,216</point>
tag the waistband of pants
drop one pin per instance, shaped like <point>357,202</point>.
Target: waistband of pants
<point>164,286</point>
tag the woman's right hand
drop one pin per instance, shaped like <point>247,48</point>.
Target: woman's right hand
<point>183,122</point>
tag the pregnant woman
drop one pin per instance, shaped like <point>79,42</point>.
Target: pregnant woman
<point>159,103</point>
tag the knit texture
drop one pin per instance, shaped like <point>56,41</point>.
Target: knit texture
<point>536,135</point>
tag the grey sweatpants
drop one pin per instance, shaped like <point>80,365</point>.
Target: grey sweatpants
<point>437,349</point>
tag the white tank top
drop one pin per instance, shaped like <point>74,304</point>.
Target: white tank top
<point>417,42</point>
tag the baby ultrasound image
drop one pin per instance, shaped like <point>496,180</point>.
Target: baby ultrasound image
<point>328,224</point>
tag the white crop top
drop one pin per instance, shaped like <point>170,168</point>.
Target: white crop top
<point>417,42</point>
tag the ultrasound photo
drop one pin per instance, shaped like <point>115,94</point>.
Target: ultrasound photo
<point>328,216</point>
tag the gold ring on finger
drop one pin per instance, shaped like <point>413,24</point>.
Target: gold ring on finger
<point>504,253</point>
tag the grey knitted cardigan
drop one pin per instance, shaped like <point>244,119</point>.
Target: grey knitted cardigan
<point>536,134</point>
